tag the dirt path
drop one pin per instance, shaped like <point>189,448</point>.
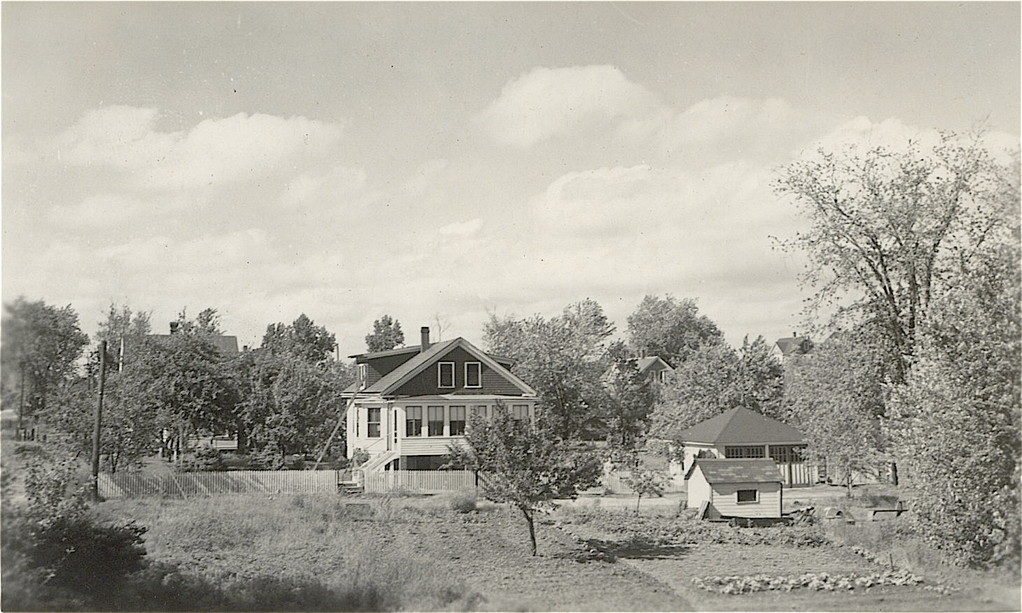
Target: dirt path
<point>490,551</point>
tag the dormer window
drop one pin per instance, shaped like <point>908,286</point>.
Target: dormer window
<point>363,372</point>
<point>473,374</point>
<point>445,375</point>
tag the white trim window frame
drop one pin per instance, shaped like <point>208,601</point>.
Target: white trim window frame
<point>478,375</point>
<point>440,375</point>
<point>755,496</point>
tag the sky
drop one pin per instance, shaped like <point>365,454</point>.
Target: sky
<point>443,162</point>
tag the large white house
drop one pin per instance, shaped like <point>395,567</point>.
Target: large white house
<point>410,405</point>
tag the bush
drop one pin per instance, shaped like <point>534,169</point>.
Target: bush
<point>204,459</point>
<point>463,502</point>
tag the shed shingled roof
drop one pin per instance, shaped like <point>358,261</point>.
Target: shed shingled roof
<point>741,426</point>
<point>737,471</point>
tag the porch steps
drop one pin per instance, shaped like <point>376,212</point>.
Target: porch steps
<point>350,488</point>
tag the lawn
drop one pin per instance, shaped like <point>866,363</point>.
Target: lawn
<point>419,553</point>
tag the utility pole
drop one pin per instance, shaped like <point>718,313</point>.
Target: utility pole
<point>98,422</point>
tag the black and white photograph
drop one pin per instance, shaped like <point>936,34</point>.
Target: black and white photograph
<point>510,306</point>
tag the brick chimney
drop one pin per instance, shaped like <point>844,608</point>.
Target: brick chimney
<point>424,333</point>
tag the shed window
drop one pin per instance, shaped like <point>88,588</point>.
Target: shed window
<point>373,425</point>
<point>445,375</point>
<point>473,374</point>
<point>413,421</point>
<point>436,421</point>
<point>745,496</point>
<point>744,451</point>
<point>457,421</point>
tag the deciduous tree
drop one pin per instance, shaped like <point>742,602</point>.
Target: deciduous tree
<point>958,421</point>
<point>888,227</point>
<point>525,468</point>
<point>563,358</point>
<point>716,378</point>
<point>40,346</point>
<point>386,335</point>
<point>836,397</point>
<point>670,328</point>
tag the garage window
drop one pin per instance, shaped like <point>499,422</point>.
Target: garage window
<point>748,496</point>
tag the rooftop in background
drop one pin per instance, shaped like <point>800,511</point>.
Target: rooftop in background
<point>794,345</point>
<point>737,471</point>
<point>741,426</point>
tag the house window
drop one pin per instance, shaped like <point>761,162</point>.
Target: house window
<point>363,372</point>
<point>520,411</point>
<point>413,421</point>
<point>373,429</point>
<point>436,421</point>
<point>457,421</point>
<point>787,454</point>
<point>479,411</point>
<point>473,374</point>
<point>445,374</point>
<point>739,452</point>
<point>747,496</point>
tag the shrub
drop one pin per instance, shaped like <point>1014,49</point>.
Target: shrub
<point>463,502</point>
<point>203,459</point>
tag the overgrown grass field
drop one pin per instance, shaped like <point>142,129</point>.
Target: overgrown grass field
<point>449,553</point>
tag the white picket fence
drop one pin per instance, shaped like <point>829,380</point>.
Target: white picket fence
<point>425,481</point>
<point>196,484</point>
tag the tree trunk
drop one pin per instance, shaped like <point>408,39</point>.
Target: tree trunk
<point>637,501</point>
<point>532,528</point>
<point>848,482</point>
<point>894,473</point>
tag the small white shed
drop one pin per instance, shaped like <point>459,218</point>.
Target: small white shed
<point>735,488</point>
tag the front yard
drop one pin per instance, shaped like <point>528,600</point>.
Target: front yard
<point>425,555</point>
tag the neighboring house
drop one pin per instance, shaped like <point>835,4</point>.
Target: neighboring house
<point>744,434</point>
<point>786,348</point>
<point>735,488</point>
<point>410,405</point>
<point>654,369</point>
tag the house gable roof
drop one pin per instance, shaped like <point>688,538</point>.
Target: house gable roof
<point>794,345</point>
<point>736,471</point>
<point>644,364</point>
<point>389,383</point>
<point>739,426</point>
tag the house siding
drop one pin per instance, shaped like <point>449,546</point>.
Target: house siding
<point>698,490</point>
<point>725,500</point>
<point>425,383</point>
<point>377,368</point>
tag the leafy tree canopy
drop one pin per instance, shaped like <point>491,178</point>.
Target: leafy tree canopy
<point>670,328</point>
<point>563,358</point>
<point>39,348</point>
<point>525,468</point>
<point>386,335</point>
<point>716,378</point>
<point>889,227</point>
<point>303,338</point>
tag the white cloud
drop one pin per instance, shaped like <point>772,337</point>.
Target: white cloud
<point>546,102</point>
<point>322,189</point>
<point>107,209</point>
<point>464,228</point>
<point>213,152</point>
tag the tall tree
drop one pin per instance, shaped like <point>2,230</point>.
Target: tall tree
<point>523,467</point>
<point>836,397</point>
<point>716,378</point>
<point>123,330</point>
<point>670,328</point>
<point>888,227</point>
<point>563,359</point>
<point>386,335</point>
<point>303,339</point>
<point>630,398</point>
<point>958,421</point>
<point>39,348</point>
